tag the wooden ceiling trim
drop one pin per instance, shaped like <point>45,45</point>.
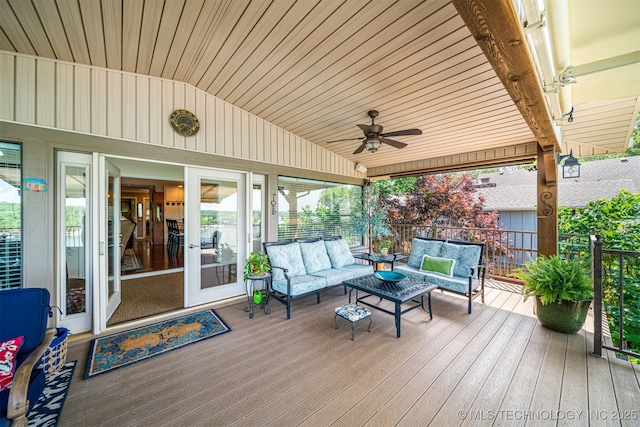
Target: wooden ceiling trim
<point>92,18</point>
<point>315,129</point>
<point>192,12</point>
<point>131,23</point>
<point>354,59</point>
<point>112,18</point>
<point>71,18</point>
<point>19,40</point>
<point>355,32</point>
<point>171,16</point>
<point>276,23</point>
<point>215,21</point>
<point>26,14</point>
<point>5,44</point>
<point>374,72</point>
<point>208,69</point>
<point>494,25</point>
<point>515,154</point>
<point>54,29</point>
<point>149,33</point>
<point>319,37</point>
<point>399,77</point>
<point>291,46</point>
<point>426,100</point>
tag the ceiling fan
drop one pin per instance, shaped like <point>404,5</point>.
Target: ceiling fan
<point>373,136</point>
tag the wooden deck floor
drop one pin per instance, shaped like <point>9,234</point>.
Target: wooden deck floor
<point>497,366</point>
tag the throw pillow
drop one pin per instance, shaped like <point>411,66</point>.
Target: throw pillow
<point>339,253</point>
<point>8,358</point>
<point>314,256</point>
<point>437,265</point>
<point>421,247</point>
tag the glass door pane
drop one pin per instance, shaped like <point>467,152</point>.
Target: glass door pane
<point>257,214</point>
<point>75,254</point>
<point>218,233</point>
<point>216,237</point>
<point>11,215</point>
<point>74,240</point>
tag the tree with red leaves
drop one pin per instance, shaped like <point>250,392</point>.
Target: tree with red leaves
<point>445,200</point>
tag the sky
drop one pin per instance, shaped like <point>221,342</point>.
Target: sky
<point>8,193</point>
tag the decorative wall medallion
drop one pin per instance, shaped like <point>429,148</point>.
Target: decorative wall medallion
<point>184,122</point>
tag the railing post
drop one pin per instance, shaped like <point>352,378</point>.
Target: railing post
<point>596,271</point>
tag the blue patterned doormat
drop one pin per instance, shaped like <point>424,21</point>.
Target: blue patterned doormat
<point>46,412</point>
<point>131,346</point>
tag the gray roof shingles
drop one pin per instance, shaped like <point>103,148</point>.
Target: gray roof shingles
<point>599,179</point>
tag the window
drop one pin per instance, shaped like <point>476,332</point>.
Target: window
<point>308,208</point>
<point>10,216</point>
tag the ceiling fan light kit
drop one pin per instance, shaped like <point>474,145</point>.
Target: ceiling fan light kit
<point>372,144</point>
<point>373,136</point>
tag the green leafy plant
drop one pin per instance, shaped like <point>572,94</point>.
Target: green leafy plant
<point>385,243</point>
<point>553,279</point>
<point>257,264</point>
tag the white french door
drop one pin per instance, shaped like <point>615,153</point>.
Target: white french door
<point>215,234</point>
<point>109,246</point>
<point>75,240</point>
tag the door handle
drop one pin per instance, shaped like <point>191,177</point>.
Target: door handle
<point>191,246</point>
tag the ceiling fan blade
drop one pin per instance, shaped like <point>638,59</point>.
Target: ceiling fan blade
<point>366,129</point>
<point>360,149</point>
<point>348,139</point>
<point>393,143</point>
<point>403,132</point>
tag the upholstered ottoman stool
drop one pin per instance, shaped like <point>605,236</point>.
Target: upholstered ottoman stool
<point>353,313</point>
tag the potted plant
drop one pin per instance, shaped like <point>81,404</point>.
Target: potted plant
<point>384,245</point>
<point>562,290</point>
<point>257,264</point>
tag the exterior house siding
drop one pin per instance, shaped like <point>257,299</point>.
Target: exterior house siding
<point>116,104</point>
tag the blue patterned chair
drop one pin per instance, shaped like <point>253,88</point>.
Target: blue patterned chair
<point>24,313</point>
<point>454,266</point>
<point>308,266</point>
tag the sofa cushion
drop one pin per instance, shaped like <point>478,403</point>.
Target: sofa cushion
<point>300,284</point>
<point>336,276</point>
<point>357,270</point>
<point>437,265</point>
<point>314,256</point>
<point>449,283</point>
<point>8,358</point>
<point>287,256</point>
<point>421,247</point>
<point>339,253</point>
<point>466,256</point>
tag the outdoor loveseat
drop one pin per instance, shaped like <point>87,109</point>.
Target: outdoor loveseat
<point>304,267</point>
<point>454,266</point>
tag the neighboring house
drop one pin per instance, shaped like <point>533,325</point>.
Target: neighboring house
<point>513,193</point>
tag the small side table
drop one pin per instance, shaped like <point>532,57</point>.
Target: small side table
<point>262,291</point>
<point>375,258</point>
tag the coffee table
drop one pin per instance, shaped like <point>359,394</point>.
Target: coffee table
<point>404,291</point>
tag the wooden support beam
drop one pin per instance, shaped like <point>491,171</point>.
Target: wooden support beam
<point>547,204</point>
<point>494,25</point>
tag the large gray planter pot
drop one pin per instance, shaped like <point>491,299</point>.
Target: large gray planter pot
<point>566,316</point>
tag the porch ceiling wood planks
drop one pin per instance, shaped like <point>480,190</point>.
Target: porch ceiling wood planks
<point>315,67</point>
<point>497,359</point>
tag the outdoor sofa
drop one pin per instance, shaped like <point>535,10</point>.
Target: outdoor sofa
<point>308,266</point>
<point>454,266</point>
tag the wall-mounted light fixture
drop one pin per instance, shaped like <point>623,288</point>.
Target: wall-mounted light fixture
<point>274,203</point>
<point>360,167</point>
<point>571,167</point>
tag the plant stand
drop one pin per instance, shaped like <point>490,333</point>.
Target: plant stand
<point>258,295</point>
